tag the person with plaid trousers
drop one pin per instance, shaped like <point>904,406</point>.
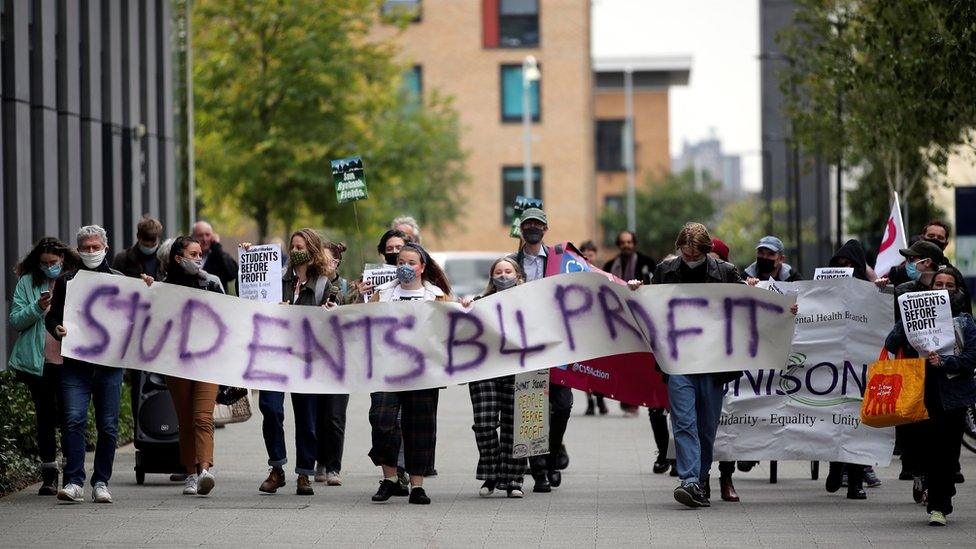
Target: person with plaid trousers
<point>419,278</point>
<point>493,403</point>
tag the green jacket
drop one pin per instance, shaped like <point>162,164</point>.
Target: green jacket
<point>27,354</point>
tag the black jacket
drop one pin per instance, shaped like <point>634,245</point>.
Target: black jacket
<point>853,252</point>
<point>55,316</point>
<point>642,270</point>
<point>306,296</point>
<point>669,271</point>
<point>130,263</point>
<point>220,264</point>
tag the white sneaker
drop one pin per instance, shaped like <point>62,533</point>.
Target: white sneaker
<point>190,485</point>
<point>72,493</point>
<point>205,483</point>
<point>333,479</point>
<point>100,493</point>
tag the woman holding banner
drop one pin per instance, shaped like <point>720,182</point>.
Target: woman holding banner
<point>949,389</point>
<point>493,403</point>
<point>419,278</point>
<point>193,400</point>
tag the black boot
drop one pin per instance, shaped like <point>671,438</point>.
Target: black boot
<point>834,476</point>
<point>49,482</point>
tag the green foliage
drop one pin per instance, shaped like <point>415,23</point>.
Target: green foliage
<point>741,224</point>
<point>282,88</point>
<point>663,207</point>
<point>19,465</point>
<point>904,75</point>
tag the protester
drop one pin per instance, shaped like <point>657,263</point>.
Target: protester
<point>493,403</point>
<point>215,260</point>
<point>389,249</point>
<point>770,263</point>
<point>193,400</point>
<point>531,257</point>
<point>307,280</point>
<point>936,232</point>
<point>36,356</point>
<point>850,255</point>
<point>83,383</point>
<point>141,258</point>
<point>330,409</point>
<point>409,227</point>
<point>696,400</point>
<point>594,401</point>
<point>418,278</point>
<point>589,251</point>
<point>923,259</point>
<point>629,263</point>
<point>949,390</point>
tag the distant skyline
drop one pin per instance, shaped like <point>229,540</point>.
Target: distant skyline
<point>722,38</point>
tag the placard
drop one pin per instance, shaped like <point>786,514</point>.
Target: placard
<point>531,414</point>
<point>927,320</point>
<point>259,273</point>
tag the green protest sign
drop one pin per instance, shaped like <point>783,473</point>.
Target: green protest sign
<point>350,179</point>
<point>521,204</point>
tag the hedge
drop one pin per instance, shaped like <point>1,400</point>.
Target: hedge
<point>19,464</point>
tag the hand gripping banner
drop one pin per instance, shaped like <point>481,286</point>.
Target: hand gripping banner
<point>173,330</point>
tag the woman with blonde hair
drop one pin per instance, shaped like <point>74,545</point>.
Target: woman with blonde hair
<point>493,404</point>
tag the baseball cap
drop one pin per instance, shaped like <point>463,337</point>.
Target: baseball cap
<point>772,243</point>
<point>923,249</point>
<point>534,213</point>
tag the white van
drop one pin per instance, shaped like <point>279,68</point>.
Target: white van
<point>467,271</point>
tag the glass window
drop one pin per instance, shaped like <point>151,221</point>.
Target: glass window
<point>512,188</point>
<point>401,9</point>
<point>610,145</point>
<point>413,81</point>
<point>518,23</point>
<point>512,95</point>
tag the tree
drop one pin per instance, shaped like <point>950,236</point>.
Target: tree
<point>902,75</point>
<point>283,87</point>
<point>741,224</point>
<point>663,206</point>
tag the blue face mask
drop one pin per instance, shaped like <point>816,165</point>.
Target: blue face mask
<point>912,271</point>
<point>52,272</point>
<point>406,274</point>
<point>148,251</point>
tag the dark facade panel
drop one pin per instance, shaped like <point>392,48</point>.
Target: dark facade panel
<point>69,117</point>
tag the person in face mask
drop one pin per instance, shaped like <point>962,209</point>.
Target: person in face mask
<point>493,402</point>
<point>419,278</point>
<point>141,258</point>
<point>935,232</point>
<point>83,383</point>
<point>949,390</point>
<point>696,400</point>
<point>36,356</point>
<point>770,263</point>
<point>193,400</point>
<point>389,249</point>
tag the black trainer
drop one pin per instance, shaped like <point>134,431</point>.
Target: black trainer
<point>541,483</point>
<point>387,488</point>
<point>691,495</point>
<point>418,496</point>
<point>555,479</point>
<point>661,466</point>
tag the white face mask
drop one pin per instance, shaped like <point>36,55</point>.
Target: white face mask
<point>92,259</point>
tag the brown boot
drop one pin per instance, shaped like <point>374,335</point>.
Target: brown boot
<point>275,480</point>
<point>304,486</point>
<point>728,491</point>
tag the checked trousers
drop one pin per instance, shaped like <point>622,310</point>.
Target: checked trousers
<point>493,404</point>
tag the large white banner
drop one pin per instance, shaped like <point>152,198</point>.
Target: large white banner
<point>184,332</point>
<point>810,410</point>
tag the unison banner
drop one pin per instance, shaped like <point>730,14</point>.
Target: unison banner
<point>810,410</point>
<point>173,330</point>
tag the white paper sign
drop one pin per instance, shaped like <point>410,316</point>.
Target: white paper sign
<point>259,274</point>
<point>531,427</point>
<point>826,273</point>
<point>173,330</point>
<point>377,275</point>
<point>927,320</point>
<point>810,410</point>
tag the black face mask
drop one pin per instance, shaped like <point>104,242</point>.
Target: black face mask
<point>765,266</point>
<point>391,258</point>
<point>532,235</point>
<point>942,245</point>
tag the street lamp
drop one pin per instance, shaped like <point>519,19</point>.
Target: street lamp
<point>530,74</point>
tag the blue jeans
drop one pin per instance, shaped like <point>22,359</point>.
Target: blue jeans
<point>81,383</point>
<point>696,405</point>
<point>272,406</point>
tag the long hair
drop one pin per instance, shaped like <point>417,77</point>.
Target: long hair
<point>320,264</point>
<point>31,264</point>
<point>694,235</point>
<point>433,272</point>
<point>519,275</point>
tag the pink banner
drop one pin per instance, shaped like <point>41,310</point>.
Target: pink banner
<point>631,378</point>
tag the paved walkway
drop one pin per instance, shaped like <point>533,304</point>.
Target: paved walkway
<point>609,498</point>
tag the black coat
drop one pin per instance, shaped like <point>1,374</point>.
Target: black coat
<point>853,252</point>
<point>642,270</point>
<point>220,264</point>
<point>130,263</point>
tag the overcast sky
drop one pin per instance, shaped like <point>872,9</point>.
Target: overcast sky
<point>722,38</point>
